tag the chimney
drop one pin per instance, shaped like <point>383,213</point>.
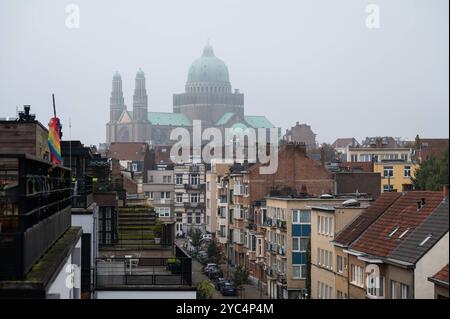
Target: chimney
<point>445,191</point>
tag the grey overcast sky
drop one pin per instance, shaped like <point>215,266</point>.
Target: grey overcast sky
<point>312,61</point>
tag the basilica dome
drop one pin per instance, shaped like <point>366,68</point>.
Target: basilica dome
<point>208,69</point>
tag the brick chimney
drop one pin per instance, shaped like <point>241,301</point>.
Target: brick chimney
<point>445,191</point>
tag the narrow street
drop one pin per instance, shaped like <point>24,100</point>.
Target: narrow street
<point>249,291</point>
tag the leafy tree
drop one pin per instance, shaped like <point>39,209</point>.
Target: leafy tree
<point>240,277</point>
<point>205,289</point>
<point>432,174</point>
<point>196,237</point>
<point>214,253</point>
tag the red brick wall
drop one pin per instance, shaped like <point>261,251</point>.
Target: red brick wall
<point>295,170</point>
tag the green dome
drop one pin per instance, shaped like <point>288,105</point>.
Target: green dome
<point>208,68</point>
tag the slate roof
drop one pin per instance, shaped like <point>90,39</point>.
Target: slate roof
<point>441,277</point>
<point>435,225</point>
<point>343,142</point>
<point>381,238</point>
<point>351,232</point>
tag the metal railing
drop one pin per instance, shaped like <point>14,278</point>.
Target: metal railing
<point>123,272</point>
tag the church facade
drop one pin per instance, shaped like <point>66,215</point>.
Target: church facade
<point>208,97</point>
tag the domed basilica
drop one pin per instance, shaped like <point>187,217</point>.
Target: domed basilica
<point>208,97</point>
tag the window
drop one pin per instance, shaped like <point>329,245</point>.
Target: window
<point>318,224</point>
<point>208,185</point>
<point>393,290</point>
<point>189,218</point>
<point>299,244</point>
<point>357,276</point>
<point>305,216</point>
<point>388,171</point>
<point>299,271</point>
<point>375,286</point>
<point>165,195</point>
<point>194,179</point>
<point>222,231</point>
<point>208,203</point>
<point>194,197</point>
<point>198,219</point>
<point>149,195</point>
<point>163,211</point>
<point>354,158</point>
<point>326,226</point>
<point>179,197</point>
<point>179,179</point>
<point>301,216</point>
<point>404,290</point>
<point>134,167</point>
<point>407,171</point>
<point>167,179</point>
<point>340,264</point>
<point>394,231</point>
<point>388,188</point>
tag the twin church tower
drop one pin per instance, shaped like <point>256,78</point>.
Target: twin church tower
<point>208,97</point>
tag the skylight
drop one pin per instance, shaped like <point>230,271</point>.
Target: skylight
<point>425,240</point>
<point>404,233</point>
<point>393,232</point>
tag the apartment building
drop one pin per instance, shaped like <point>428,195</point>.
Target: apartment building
<point>213,177</point>
<point>440,281</point>
<point>39,247</point>
<point>396,175</point>
<point>189,200</point>
<point>160,190</point>
<point>395,245</point>
<point>328,269</point>
<point>377,149</point>
<point>288,227</point>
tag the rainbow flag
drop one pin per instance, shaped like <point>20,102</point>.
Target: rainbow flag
<point>54,137</point>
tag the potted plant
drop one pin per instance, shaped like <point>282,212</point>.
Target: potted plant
<point>157,231</point>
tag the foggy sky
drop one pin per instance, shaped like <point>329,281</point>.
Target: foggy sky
<point>310,61</point>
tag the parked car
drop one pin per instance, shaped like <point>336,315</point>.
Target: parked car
<point>207,237</point>
<point>228,289</point>
<point>214,273</point>
<point>219,282</point>
<point>209,267</point>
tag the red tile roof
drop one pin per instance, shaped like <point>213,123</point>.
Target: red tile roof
<point>128,151</point>
<point>351,232</point>
<point>441,277</point>
<point>401,215</point>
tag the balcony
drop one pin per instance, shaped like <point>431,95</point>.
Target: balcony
<point>281,250</point>
<point>281,224</point>
<point>270,272</point>
<point>82,196</point>
<point>196,187</point>
<point>35,199</point>
<point>281,278</point>
<point>269,222</point>
<point>144,273</point>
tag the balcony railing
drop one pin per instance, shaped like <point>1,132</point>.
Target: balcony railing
<point>82,196</point>
<point>35,198</point>
<point>198,187</point>
<point>113,273</point>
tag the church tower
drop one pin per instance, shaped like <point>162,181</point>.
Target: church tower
<point>140,107</point>
<point>116,101</point>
